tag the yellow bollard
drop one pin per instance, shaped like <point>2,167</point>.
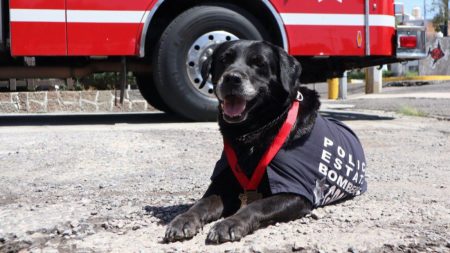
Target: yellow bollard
<point>333,88</point>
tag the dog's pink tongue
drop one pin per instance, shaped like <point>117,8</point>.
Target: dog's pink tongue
<point>233,106</point>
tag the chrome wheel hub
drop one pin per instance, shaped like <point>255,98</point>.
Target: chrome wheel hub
<point>200,50</point>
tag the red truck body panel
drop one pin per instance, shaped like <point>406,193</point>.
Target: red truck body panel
<point>115,27</point>
<point>77,27</point>
<point>98,27</point>
<point>337,27</point>
<point>38,27</point>
<point>382,37</point>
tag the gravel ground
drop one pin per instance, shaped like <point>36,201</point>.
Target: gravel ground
<point>433,107</point>
<point>113,188</point>
<point>430,106</point>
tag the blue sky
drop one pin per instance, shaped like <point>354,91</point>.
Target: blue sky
<point>410,4</point>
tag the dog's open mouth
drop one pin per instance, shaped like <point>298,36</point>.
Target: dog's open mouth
<point>233,108</point>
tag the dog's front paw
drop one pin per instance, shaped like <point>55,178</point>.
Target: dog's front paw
<point>231,229</point>
<point>184,226</point>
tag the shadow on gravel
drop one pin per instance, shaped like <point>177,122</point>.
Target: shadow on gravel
<point>345,116</point>
<point>138,118</point>
<point>166,214</point>
<point>89,119</point>
<point>14,246</point>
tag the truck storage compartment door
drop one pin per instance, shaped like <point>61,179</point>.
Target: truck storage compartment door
<point>38,27</point>
<point>382,27</point>
<point>324,27</point>
<point>101,28</point>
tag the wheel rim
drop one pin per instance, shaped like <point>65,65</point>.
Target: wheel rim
<point>200,50</point>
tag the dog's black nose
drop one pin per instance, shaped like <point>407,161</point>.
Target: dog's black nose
<point>232,78</point>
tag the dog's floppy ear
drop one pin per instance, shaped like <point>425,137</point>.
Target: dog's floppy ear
<point>205,71</point>
<point>208,69</point>
<point>289,70</point>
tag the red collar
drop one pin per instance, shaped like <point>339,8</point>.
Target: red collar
<point>280,138</point>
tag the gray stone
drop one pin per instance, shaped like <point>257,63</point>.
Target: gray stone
<point>120,224</point>
<point>67,232</point>
<point>104,107</point>
<point>38,96</point>
<point>105,96</point>
<point>74,223</point>
<point>87,106</point>
<point>89,95</point>
<point>23,101</point>
<point>135,95</point>
<point>9,108</point>
<point>5,97</point>
<point>70,96</point>
<point>70,107</point>
<point>53,106</point>
<point>138,106</point>
<point>297,247</point>
<point>125,107</point>
<point>53,95</point>
<point>36,107</point>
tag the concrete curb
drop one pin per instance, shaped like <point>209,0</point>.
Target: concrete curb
<point>435,95</point>
<point>416,78</point>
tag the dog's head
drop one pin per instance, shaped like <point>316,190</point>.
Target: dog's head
<point>249,77</point>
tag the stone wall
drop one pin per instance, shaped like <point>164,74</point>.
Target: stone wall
<point>72,102</point>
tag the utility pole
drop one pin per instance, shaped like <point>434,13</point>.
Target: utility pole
<point>442,16</point>
<point>444,26</point>
<point>446,18</point>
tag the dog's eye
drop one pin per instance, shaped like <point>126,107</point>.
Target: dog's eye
<point>226,58</point>
<point>223,59</point>
<point>261,64</point>
<point>258,61</point>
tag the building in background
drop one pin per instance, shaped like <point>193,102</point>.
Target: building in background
<point>416,13</point>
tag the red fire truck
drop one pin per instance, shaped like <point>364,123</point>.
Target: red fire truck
<point>163,42</point>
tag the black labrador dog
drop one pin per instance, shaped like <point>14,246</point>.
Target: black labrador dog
<point>281,158</point>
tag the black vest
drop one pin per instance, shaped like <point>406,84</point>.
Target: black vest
<point>326,166</point>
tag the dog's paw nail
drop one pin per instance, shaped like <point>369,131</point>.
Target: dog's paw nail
<point>232,236</point>
<point>167,236</point>
<point>166,239</point>
<point>212,238</point>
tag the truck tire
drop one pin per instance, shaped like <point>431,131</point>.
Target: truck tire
<point>148,91</point>
<point>184,45</point>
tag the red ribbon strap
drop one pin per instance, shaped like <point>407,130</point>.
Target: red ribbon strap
<point>280,138</point>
